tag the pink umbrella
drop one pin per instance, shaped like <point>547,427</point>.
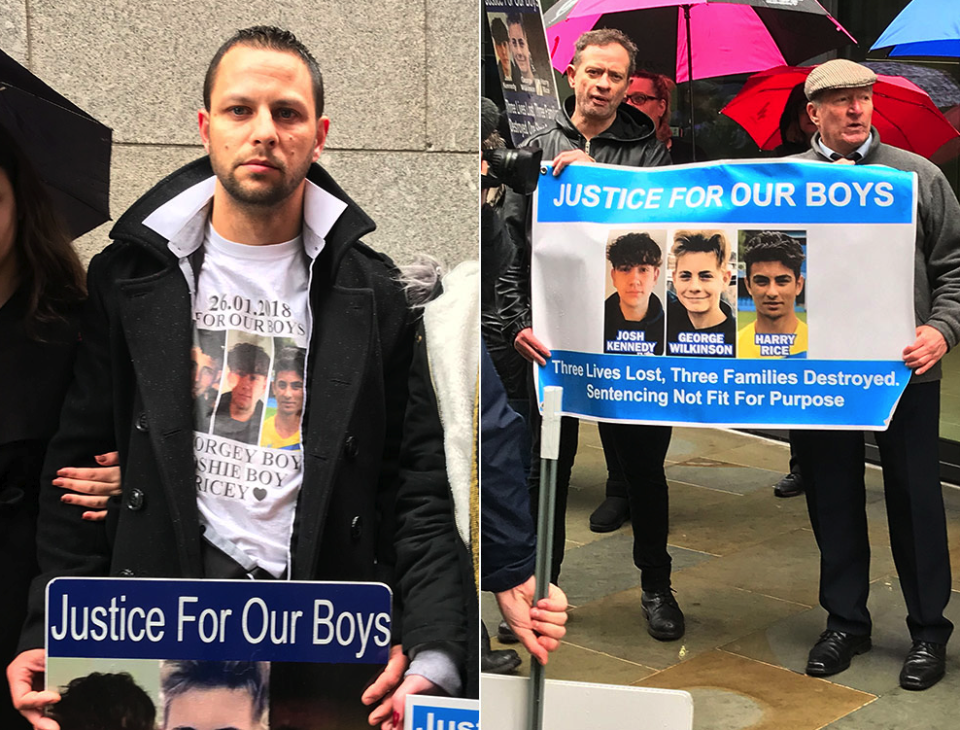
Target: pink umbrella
<point>722,37</point>
<point>903,113</point>
<point>711,37</point>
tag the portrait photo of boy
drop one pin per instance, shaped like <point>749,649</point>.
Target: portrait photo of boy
<point>633,315</point>
<point>700,321</point>
<point>773,279</point>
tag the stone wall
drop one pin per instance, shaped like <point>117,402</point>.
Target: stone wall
<point>401,92</point>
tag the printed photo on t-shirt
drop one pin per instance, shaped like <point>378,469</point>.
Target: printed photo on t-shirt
<point>239,411</point>
<point>633,313</point>
<point>281,426</point>
<point>701,295</point>
<point>773,317</point>
<point>207,357</point>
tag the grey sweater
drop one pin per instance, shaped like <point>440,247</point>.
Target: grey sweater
<point>936,282</point>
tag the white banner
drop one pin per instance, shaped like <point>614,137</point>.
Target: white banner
<point>777,293</point>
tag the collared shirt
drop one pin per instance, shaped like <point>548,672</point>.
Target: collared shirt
<point>861,150</point>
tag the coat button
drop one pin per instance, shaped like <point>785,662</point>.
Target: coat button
<point>126,573</point>
<point>135,500</point>
<point>142,425</point>
<point>356,527</point>
<point>351,448</point>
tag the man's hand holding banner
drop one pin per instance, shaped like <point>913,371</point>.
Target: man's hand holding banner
<point>739,294</point>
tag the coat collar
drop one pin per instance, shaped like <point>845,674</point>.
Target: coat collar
<point>630,125</point>
<point>865,160</point>
<point>169,218</point>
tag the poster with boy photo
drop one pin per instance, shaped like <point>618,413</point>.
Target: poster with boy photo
<point>701,297</point>
<point>633,312</point>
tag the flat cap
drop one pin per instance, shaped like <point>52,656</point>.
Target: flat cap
<point>838,74</point>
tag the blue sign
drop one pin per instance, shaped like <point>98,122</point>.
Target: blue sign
<point>434,717</point>
<point>218,620</point>
<point>758,193</point>
<point>788,392</point>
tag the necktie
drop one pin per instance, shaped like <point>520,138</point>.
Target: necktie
<point>849,160</point>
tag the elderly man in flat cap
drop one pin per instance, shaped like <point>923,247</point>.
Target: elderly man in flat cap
<point>840,95</point>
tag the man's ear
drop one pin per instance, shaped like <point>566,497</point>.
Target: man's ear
<point>814,113</point>
<point>800,282</point>
<point>203,119</point>
<point>323,128</point>
<point>570,73</point>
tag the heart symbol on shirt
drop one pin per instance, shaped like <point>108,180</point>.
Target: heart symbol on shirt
<point>259,493</point>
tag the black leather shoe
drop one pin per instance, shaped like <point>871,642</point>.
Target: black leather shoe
<point>924,665</point>
<point>505,634</point>
<point>610,515</point>
<point>833,651</point>
<point>790,486</point>
<point>499,661</point>
<point>664,617</point>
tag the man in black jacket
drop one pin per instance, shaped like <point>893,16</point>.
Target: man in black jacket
<point>593,126</point>
<point>253,243</point>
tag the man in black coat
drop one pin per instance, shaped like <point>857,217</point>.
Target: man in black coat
<point>594,126</point>
<point>254,243</point>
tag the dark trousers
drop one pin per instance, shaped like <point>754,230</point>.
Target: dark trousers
<point>640,451</point>
<point>794,461</point>
<point>616,483</point>
<point>832,464</point>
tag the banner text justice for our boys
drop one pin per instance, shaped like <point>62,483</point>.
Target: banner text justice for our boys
<point>695,191</point>
<point>218,620</point>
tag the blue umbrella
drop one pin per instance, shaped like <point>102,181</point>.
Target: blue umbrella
<point>924,28</point>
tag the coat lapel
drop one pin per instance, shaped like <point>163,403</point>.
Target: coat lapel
<point>155,314</point>
<point>343,331</point>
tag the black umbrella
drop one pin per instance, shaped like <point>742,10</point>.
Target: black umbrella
<point>69,149</point>
<point>938,84</point>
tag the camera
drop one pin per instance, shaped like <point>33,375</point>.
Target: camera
<point>518,169</point>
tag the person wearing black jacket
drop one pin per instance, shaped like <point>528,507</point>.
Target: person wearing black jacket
<point>593,126</point>
<point>259,189</point>
<point>41,296</point>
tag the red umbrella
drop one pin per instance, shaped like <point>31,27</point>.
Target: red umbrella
<point>903,113</point>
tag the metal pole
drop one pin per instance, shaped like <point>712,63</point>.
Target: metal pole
<point>693,133</point>
<point>549,453</point>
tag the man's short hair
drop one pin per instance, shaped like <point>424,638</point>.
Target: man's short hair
<point>290,358</point>
<point>210,343</point>
<point>267,37</point>
<point>516,19</point>
<point>180,676</point>
<point>688,242</point>
<point>248,358</point>
<point>634,249</point>
<point>100,701</point>
<point>774,246</point>
<point>604,37</point>
<point>499,32</point>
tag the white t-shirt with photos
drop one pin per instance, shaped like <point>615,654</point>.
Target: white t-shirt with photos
<point>251,322</point>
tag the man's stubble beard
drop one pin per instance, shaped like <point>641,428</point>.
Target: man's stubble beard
<point>588,111</point>
<point>262,197</point>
